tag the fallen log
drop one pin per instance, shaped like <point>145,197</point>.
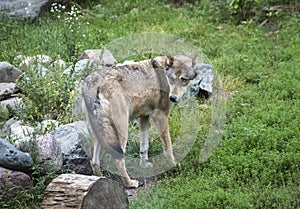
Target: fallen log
<point>84,192</point>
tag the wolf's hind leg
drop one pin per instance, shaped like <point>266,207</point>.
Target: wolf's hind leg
<point>129,183</point>
<point>144,142</point>
<point>96,158</point>
<point>120,123</point>
<point>96,153</point>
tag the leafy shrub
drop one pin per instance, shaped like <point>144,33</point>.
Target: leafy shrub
<point>242,8</point>
<point>48,96</point>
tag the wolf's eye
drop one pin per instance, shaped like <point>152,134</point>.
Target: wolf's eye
<point>184,79</point>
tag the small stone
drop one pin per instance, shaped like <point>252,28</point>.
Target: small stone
<point>38,60</point>
<point>8,73</point>
<point>99,56</point>
<point>7,90</point>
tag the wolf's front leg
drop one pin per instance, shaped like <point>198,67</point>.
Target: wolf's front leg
<point>144,142</point>
<point>160,119</point>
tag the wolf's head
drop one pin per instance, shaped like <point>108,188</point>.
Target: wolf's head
<point>180,70</point>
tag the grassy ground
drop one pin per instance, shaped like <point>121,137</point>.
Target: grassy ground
<point>257,163</point>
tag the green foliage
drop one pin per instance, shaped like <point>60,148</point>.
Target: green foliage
<point>242,8</point>
<point>48,96</point>
<point>4,115</point>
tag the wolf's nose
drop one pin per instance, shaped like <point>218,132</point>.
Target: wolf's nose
<point>173,98</point>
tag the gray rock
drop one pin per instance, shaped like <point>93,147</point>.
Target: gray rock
<point>202,85</point>
<point>90,60</point>
<point>7,90</point>
<point>75,145</point>
<point>58,64</point>
<point>99,56</point>
<point>19,131</point>
<point>19,58</point>
<point>5,127</point>
<point>14,179</point>
<point>37,60</point>
<point>49,153</point>
<point>82,66</point>
<point>12,158</point>
<point>26,8</point>
<point>12,102</point>
<point>47,150</point>
<point>8,72</point>
<point>76,160</point>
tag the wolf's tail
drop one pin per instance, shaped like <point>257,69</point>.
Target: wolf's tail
<point>100,124</point>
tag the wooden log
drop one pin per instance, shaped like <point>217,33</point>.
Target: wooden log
<point>84,192</point>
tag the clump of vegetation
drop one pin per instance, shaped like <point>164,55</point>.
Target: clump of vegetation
<point>257,163</point>
<point>48,96</point>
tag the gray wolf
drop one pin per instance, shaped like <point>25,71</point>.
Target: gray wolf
<point>141,90</point>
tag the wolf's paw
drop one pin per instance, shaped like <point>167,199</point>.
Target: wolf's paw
<point>174,162</point>
<point>170,157</point>
<point>132,184</point>
<point>145,164</point>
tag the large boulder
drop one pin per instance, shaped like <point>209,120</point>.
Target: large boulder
<point>14,179</point>
<point>76,160</point>
<point>26,8</point>
<point>12,158</point>
<point>47,150</point>
<point>75,144</point>
<point>8,72</point>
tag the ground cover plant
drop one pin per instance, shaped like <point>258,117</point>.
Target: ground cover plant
<point>257,164</point>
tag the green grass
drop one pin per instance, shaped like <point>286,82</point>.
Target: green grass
<point>257,162</point>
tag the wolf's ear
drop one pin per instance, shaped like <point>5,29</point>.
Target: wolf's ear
<point>194,59</point>
<point>169,60</point>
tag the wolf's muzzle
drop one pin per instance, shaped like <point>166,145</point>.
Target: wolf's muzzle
<point>173,98</point>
